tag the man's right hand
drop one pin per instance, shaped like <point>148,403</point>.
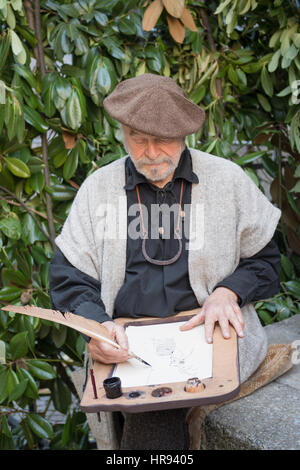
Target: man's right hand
<point>104,352</point>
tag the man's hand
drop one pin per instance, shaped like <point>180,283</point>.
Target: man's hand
<point>220,306</point>
<point>104,352</point>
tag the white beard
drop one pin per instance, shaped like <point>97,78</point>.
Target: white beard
<point>155,174</point>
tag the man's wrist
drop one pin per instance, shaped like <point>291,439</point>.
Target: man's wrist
<point>228,292</point>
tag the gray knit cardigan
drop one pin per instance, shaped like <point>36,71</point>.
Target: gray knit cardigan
<point>231,219</point>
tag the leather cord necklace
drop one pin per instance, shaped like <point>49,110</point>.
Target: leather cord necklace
<point>176,233</point>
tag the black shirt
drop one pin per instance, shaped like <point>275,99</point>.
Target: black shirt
<point>150,289</point>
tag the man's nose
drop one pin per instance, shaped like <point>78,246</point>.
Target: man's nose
<point>152,151</point>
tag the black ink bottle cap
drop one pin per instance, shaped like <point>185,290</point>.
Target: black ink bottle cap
<point>112,387</point>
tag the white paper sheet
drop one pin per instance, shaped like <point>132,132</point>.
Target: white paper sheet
<point>174,355</point>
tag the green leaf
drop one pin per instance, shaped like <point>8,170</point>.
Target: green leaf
<point>18,345</point>
<point>3,384</point>
<point>34,119</point>
<point>38,254</point>
<point>39,426</point>
<point>80,345</point>
<point>26,323</point>
<point>222,6</point>
<point>2,93</point>
<point>232,75</point>
<point>31,232</point>
<point>293,287</point>
<point>242,77</point>
<point>61,192</point>
<point>198,94</point>
<point>11,227</point>
<point>40,369</point>
<point>59,335</point>
<point>70,164</point>
<point>2,113</point>
<point>127,26</point>
<point>4,49</point>
<point>10,116</point>
<point>81,45</point>
<point>286,91</point>
<point>10,293</point>
<point>48,96</point>
<point>297,172</point>
<point>6,438</point>
<point>35,164</point>
<point>82,151</point>
<point>20,128</point>
<point>37,182</point>
<point>73,111</point>
<point>31,390</point>
<point>12,381</point>
<point>10,18</point>
<point>228,131</point>
<point>103,80</point>
<point>17,5</point>
<point>92,73</point>
<point>265,316</point>
<point>61,396</point>
<point>296,188</point>
<point>291,53</point>
<point>66,432</point>
<point>250,157</point>
<point>17,167</point>
<point>266,82</point>
<point>269,165</point>
<point>16,43</point>
<point>4,427</point>
<point>60,158</point>
<point>252,174</point>
<point>113,48</point>
<point>56,145</point>
<point>251,68</point>
<point>2,352</point>
<point>19,390</point>
<point>292,203</point>
<point>101,18</point>
<point>27,34</point>
<point>264,102</point>
<point>273,64</point>
<point>197,41</point>
<point>63,88</point>
<point>26,73</point>
<point>287,266</point>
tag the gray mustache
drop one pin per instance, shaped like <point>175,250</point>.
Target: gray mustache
<point>145,161</point>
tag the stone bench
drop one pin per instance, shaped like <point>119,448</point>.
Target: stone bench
<point>269,418</point>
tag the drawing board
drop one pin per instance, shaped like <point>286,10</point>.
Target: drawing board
<point>175,357</point>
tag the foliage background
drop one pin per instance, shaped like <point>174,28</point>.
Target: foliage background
<point>58,60</point>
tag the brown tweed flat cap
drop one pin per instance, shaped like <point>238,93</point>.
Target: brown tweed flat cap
<point>155,105</point>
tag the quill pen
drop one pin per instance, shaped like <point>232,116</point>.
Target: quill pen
<point>88,327</point>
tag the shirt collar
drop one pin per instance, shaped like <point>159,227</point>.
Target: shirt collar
<point>184,170</point>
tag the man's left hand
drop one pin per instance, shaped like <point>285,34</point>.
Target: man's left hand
<point>221,306</point>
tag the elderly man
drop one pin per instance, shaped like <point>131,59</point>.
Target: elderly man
<point>216,253</point>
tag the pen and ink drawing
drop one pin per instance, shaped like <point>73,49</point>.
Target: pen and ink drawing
<point>174,356</point>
